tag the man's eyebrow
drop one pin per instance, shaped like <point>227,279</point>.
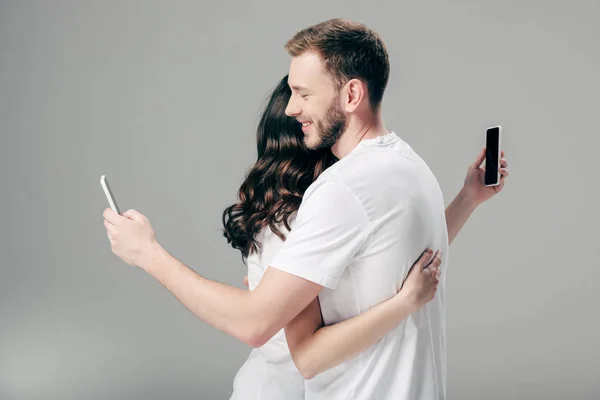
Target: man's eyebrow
<point>298,87</point>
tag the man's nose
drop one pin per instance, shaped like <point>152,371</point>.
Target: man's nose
<point>292,110</point>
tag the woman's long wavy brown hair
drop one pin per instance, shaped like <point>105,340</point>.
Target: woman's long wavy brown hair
<point>274,186</point>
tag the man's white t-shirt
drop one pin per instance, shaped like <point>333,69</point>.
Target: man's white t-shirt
<point>269,373</point>
<point>361,226</point>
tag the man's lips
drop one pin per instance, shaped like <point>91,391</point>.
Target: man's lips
<point>305,124</point>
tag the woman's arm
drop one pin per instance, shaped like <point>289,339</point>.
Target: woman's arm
<point>473,193</point>
<point>316,350</point>
<point>457,214</point>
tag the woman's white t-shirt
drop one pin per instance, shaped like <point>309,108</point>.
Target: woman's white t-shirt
<point>269,372</point>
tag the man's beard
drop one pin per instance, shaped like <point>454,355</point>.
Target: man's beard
<point>330,128</point>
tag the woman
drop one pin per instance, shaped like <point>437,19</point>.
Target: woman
<point>257,225</point>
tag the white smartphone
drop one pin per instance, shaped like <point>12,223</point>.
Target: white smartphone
<point>493,143</point>
<point>109,195</point>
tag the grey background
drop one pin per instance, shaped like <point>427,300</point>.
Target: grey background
<point>164,97</point>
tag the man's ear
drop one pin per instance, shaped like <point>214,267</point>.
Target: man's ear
<point>354,94</point>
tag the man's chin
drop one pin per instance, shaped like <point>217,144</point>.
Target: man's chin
<point>312,143</point>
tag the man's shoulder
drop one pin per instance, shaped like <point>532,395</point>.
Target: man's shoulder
<point>373,157</point>
<point>332,183</point>
<point>365,171</point>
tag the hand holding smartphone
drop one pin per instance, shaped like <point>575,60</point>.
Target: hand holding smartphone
<point>492,156</point>
<point>109,196</point>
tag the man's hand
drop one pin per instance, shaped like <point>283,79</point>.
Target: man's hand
<point>474,187</point>
<point>131,236</point>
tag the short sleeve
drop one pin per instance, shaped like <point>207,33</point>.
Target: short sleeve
<point>330,229</point>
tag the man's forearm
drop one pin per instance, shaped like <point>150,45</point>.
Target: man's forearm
<point>226,308</point>
<point>457,213</point>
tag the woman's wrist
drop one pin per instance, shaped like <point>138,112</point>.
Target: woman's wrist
<point>407,301</point>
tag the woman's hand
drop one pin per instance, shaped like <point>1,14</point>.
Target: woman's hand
<point>474,187</point>
<point>422,280</point>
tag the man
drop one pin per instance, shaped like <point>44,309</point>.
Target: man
<point>360,227</point>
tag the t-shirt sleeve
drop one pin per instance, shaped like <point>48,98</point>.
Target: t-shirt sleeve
<point>330,229</point>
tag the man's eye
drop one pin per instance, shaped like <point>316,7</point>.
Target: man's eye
<point>304,96</point>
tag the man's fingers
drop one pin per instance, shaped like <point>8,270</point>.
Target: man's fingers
<point>503,163</point>
<point>111,216</point>
<point>134,215</point>
<point>504,172</point>
<point>479,160</point>
<point>110,228</point>
<point>109,234</point>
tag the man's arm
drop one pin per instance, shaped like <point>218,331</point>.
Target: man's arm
<point>331,227</point>
<point>252,317</point>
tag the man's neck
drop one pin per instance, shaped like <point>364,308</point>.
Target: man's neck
<point>356,132</point>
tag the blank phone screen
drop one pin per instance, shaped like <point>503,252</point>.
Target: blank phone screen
<point>491,156</point>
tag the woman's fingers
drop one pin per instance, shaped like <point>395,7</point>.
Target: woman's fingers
<point>437,260</point>
<point>425,257</point>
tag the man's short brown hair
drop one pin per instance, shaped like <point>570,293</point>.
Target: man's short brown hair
<point>349,50</point>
